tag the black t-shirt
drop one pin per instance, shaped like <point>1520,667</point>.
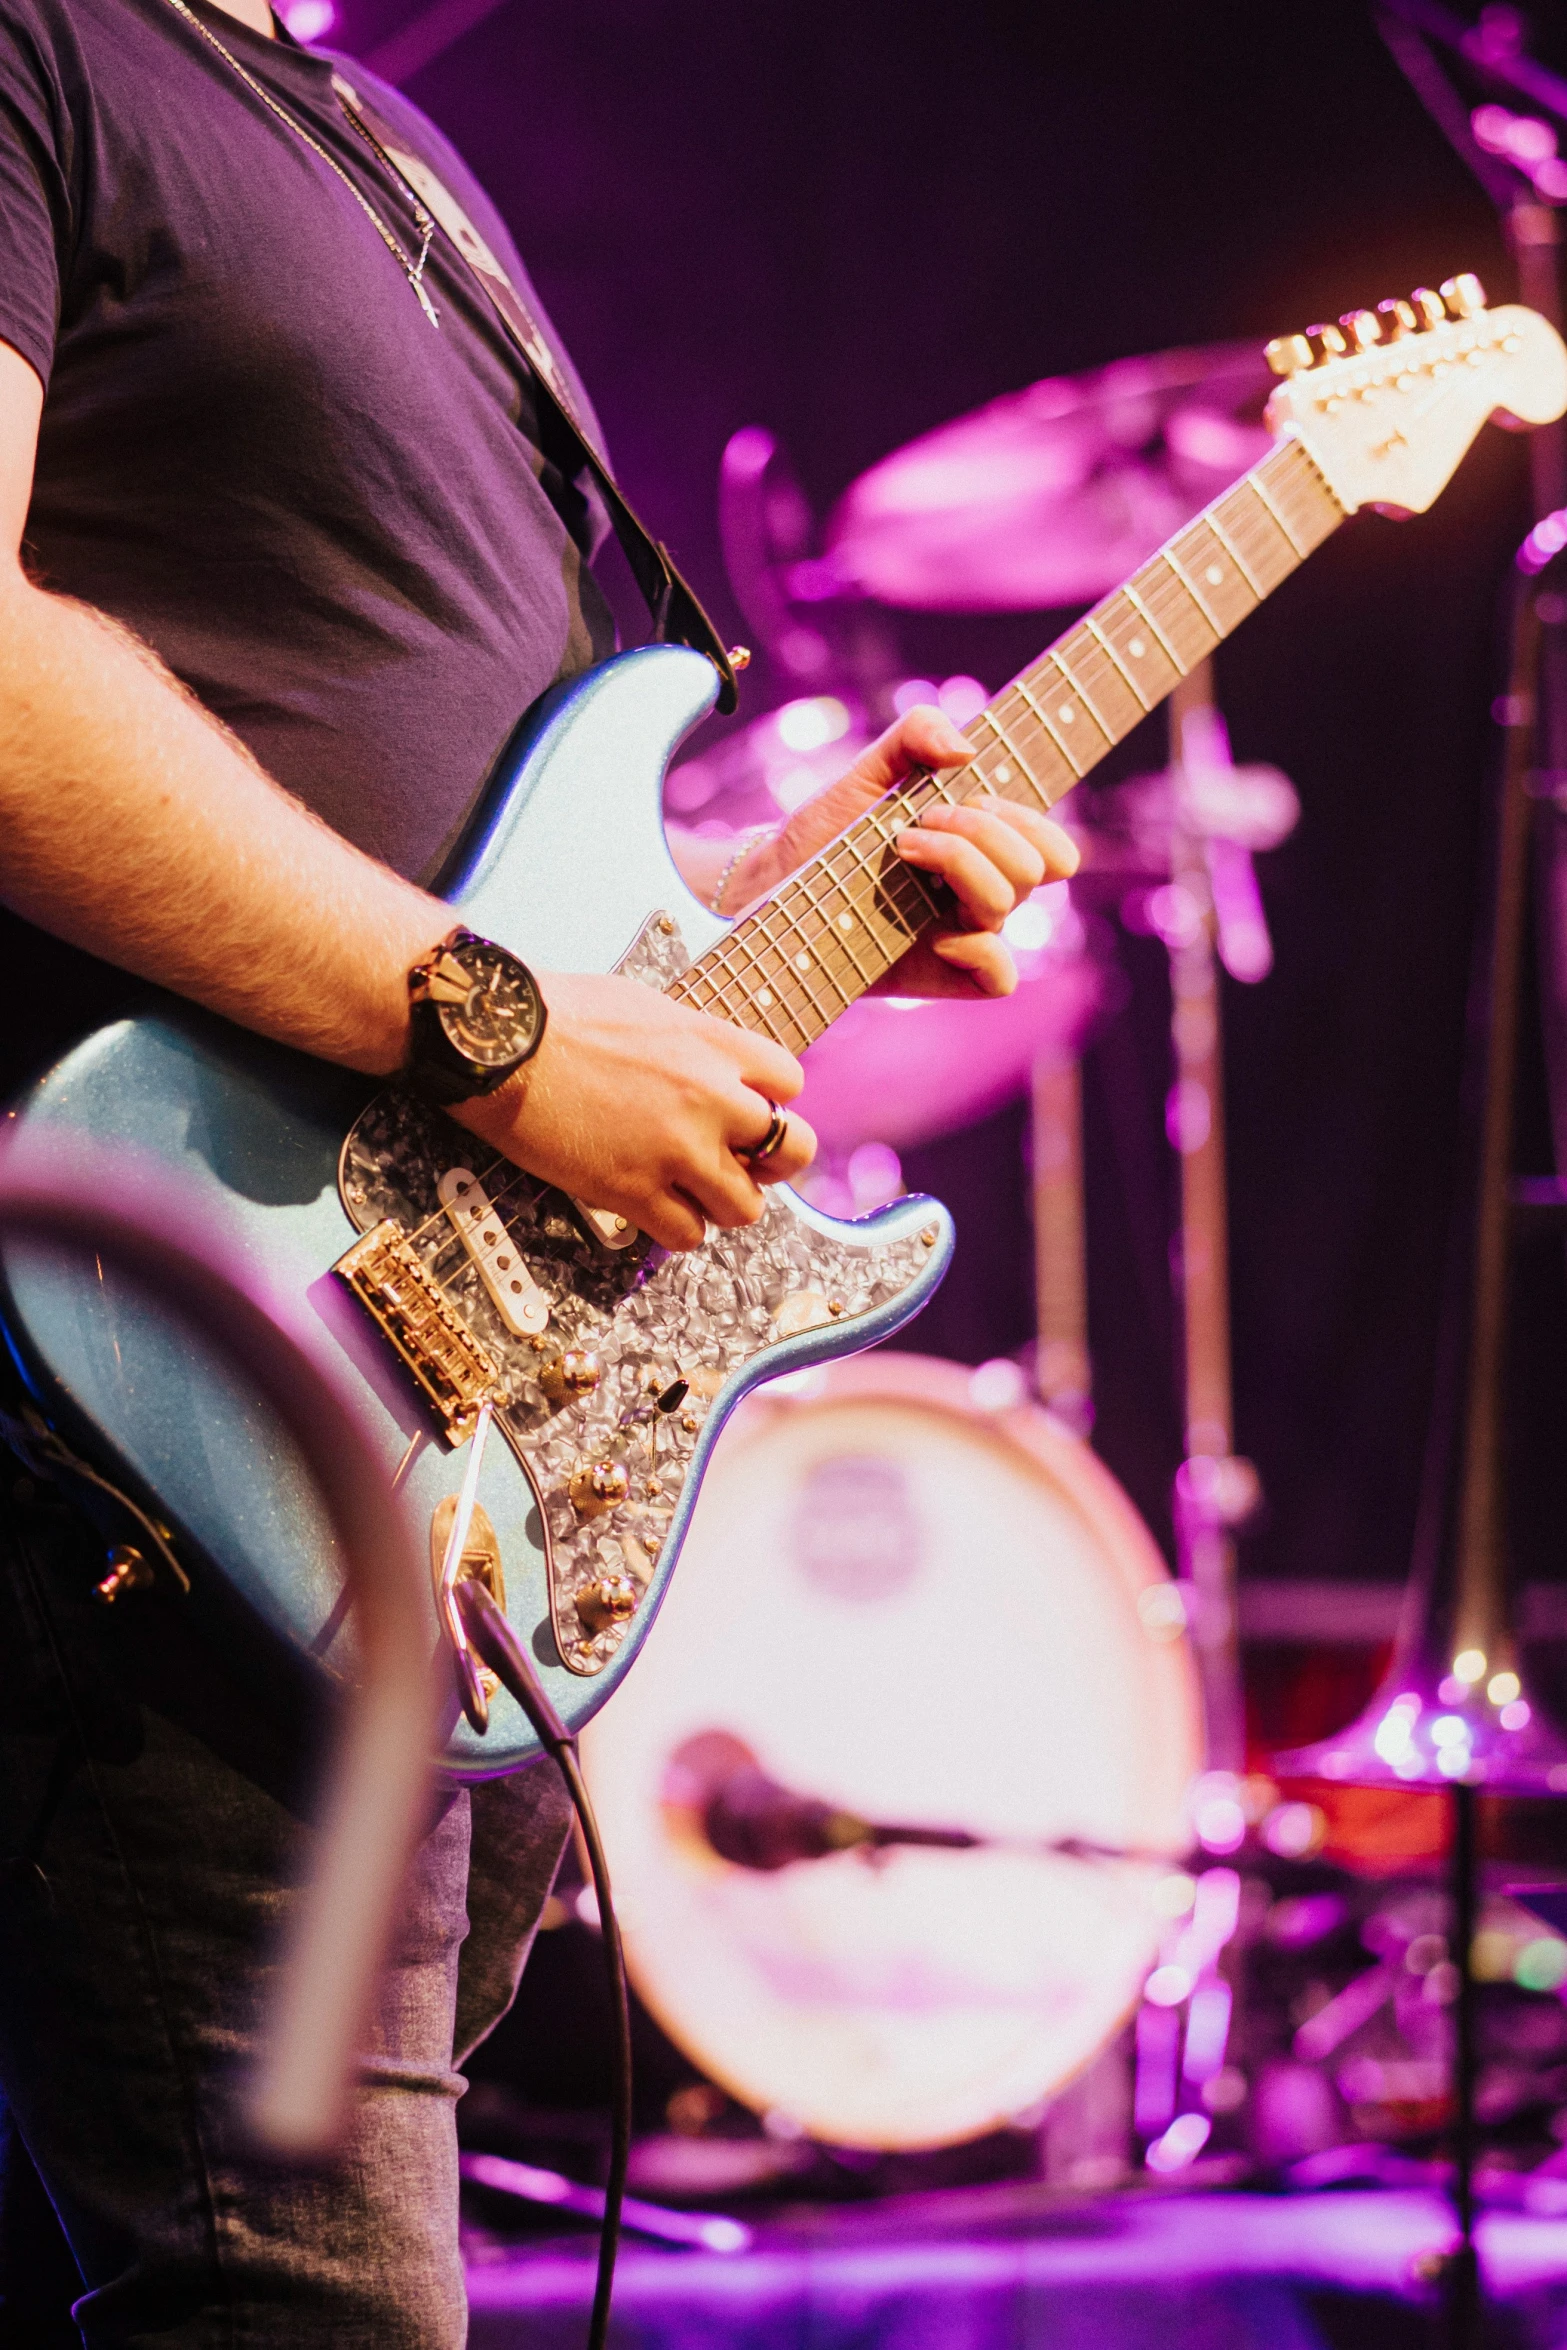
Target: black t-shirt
<point>337,525</point>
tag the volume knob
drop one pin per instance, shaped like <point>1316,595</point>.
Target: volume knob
<point>570,1377</point>
<point>598,1486</point>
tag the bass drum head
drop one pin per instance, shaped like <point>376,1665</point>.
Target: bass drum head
<point>925,1613</point>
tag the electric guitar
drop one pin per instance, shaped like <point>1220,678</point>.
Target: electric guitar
<point>465,1294</point>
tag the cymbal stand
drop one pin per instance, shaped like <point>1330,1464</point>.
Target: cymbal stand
<point>1212,1489</point>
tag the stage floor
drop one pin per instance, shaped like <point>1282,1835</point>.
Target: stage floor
<point>1024,2270</point>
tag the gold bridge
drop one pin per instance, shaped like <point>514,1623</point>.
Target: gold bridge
<point>386,1274</point>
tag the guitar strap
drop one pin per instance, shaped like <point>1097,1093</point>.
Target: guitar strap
<point>677,613</point>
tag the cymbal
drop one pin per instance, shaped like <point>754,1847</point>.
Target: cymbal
<point>1051,496</point>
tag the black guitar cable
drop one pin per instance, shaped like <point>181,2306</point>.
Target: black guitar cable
<point>492,1638</point>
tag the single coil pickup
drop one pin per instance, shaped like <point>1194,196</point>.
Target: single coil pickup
<point>387,1275</point>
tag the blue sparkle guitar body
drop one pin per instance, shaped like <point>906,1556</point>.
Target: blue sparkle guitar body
<point>588,1481</point>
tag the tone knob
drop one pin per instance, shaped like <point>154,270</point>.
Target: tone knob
<point>598,1486</point>
<point>570,1376</point>
<point>610,1599</point>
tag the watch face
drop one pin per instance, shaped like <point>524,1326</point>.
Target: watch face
<point>499,1019</point>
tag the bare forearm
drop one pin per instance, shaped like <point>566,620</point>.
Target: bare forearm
<point>134,826</point>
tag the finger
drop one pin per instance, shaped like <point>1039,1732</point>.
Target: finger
<point>766,1068</point>
<point>727,1191</point>
<point>1055,844</point>
<point>922,737</point>
<point>981,957</point>
<point>1007,846</point>
<point>982,889</point>
<point>673,1220</point>
<point>793,1155</point>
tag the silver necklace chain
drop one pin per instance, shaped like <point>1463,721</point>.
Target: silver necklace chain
<point>413,269</point>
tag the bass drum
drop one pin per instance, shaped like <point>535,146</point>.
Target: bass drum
<point>929,1613</point>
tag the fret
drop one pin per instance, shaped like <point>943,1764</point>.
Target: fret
<point>989,718</point>
<point>1179,571</point>
<point>800,966</point>
<point>1261,489</point>
<point>1181,612</point>
<point>1233,552</point>
<point>779,980</point>
<point>1102,681</point>
<point>1226,597</point>
<point>825,935</point>
<point>845,923</point>
<point>1133,687</point>
<point>1270,557</point>
<point>1148,661</point>
<point>1165,646</point>
<point>1082,701</point>
<point>1047,772</point>
<point>1294,480</point>
<point>1043,715</point>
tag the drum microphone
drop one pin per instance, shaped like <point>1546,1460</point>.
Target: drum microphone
<point>754,1821</point>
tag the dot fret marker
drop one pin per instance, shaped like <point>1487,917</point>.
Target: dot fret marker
<point>1214,574</point>
<point>1136,647</point>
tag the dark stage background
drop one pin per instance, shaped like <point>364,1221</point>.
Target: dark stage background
<point>848,222</point>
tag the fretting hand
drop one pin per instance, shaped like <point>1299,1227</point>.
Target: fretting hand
<point>989,853</point>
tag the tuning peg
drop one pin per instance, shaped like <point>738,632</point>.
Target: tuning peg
<point>1362,327</point>
<point>1430,308</point>
<point>1464,294</point>
<point>1398,319</point>
<point>1326,342</point>
<point>1288,354</point>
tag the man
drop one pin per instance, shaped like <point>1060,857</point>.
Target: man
<point>286,545</point>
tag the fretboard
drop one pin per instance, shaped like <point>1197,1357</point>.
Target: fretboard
<point>837,926</point>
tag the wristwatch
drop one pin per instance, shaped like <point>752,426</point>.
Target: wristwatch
<point>476,1015</point>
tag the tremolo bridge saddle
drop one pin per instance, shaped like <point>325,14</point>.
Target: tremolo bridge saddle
<point>385,1272</point>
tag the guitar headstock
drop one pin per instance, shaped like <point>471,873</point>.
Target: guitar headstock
<point>1387,401</point>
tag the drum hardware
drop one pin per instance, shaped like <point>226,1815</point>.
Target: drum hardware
<point>1211,902</point>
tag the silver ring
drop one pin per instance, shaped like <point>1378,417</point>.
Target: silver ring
<point>772,1141</point>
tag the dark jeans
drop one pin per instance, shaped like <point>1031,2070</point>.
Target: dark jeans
<point>151,1834</point>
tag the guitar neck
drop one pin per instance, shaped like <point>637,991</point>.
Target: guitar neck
<point>789,968</point>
